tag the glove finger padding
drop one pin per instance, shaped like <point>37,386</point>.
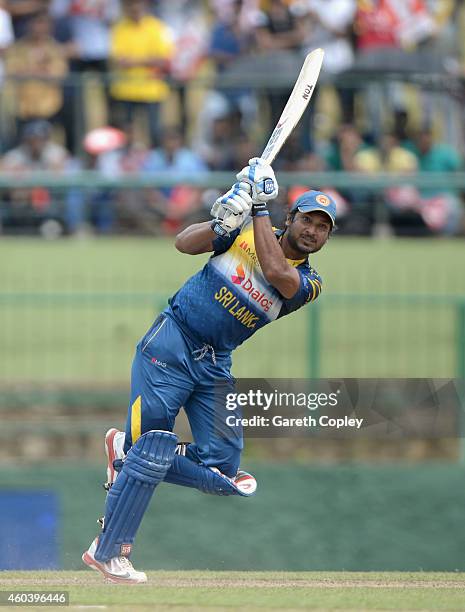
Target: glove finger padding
<point>260,176</point>
<point>237,201</point>
<point>237,204</point>
<point>215,208</point>
<point>232,221</point>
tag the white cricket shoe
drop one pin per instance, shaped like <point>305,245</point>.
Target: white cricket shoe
<point>117,569</point>
<point>245,482</point>
<point>114,445</point>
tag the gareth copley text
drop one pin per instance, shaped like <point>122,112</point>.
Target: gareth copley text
<point>256,398</point>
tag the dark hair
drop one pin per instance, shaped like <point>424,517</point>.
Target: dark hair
<point>39,14</point>
<point>292,213</point>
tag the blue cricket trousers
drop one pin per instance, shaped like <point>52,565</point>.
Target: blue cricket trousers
<point>170,370</point>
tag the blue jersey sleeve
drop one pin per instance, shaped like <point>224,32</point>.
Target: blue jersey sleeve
<point>308,291</point>
<point>222,243</point>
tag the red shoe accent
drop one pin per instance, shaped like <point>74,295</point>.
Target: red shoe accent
<point>110,451</point>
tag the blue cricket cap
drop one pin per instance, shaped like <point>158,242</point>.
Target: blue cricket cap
<point>316,200</point>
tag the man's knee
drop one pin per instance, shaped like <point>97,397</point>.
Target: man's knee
<point>145,467</point>
<point>150,457</point>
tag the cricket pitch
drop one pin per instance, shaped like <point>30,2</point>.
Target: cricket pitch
<point>195,590</point>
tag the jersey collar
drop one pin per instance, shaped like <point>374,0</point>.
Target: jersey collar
<point>294,262</point>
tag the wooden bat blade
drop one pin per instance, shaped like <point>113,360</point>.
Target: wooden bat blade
<point>296,105</point>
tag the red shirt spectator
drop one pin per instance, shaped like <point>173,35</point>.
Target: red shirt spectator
<point>391,23</point>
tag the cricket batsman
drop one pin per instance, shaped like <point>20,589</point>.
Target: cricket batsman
<point>255,275</point>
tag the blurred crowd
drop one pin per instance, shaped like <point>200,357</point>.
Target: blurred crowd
<point>138,87</point>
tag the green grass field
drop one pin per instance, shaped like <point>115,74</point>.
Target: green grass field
<point>253,590</point>
<point>71,311</point>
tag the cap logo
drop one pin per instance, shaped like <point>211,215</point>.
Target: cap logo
<point>323,200</point>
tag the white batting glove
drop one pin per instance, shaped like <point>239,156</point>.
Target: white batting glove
<point>231,209</point>
<point>262,180</point>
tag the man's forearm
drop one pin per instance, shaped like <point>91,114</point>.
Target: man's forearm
<point>196,239</point>
<point>275,268</point>
<point>269,253</point>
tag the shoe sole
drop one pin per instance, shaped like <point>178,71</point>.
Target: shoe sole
<point>95,565</point>
<point>110,453</point>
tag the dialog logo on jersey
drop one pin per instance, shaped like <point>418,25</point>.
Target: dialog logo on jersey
<point>246,284</point>
<point>239,277</point>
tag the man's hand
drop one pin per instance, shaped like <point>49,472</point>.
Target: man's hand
<point>231,209</point>
<point>263,184</point>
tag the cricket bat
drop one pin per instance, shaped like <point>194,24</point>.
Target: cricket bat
<point>296,105</point>
<point>293,111</point>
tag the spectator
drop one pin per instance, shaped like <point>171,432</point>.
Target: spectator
<point>416,211</point>
<point>6,39</point>
<point>93,208</point>
<point>442,208</point>
<point>244,149</point>
<point>37,152</point>
<point>188,21</point>
<point>38,61</point>
<point>129,158</point>
<point>180,204</point>
<point>444,13</point>
<point>6,35</point>
<point>141,48</point>
<point>132,212</point>
<point>229,42</point>
<point>279,33</point>
<point>173,157</point>
<point>330,27</point>
<point>403,201</point>
<point>444,46</point>
<point>89,23</point>
<point>279,29</point>
<point>218,128</point>
<point>350,153</point>
<point>387,31</point>
<point>218,149</point>
<point>85,27</point>
<point>433,156</point>
<point>248,13</point>
<point>388,24</point>
<point>22,11</point>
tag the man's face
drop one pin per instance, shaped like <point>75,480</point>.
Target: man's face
<point>425,142</point>
<point>135,9</point>
<point>309,231</point>
<point>35,145</point>
<point>40,27</point>
<point>172,142</point>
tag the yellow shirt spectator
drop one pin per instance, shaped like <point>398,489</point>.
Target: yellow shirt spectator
<point>146,41</point>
